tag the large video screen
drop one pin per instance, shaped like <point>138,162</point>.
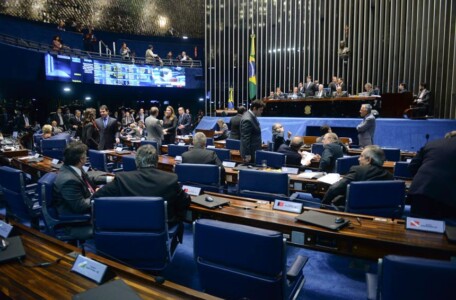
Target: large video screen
<point>74,69</point>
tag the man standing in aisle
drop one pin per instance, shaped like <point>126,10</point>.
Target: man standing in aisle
<point>366,128</point>
<point>183,122</point>
<point>108,129</point>
<point>251,131</point>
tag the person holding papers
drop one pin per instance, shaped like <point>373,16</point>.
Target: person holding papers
<point>370,168</point>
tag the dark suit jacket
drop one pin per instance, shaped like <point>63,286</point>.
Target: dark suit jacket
<point>170,126</point>
<point>250,135</point>
<point>235,124</point>
<point>55,117</point>
<point>293,157</point>
<point>75,122</point>
<point>356,173</point>
<point>329,156</point>
<point>154,130</point>
<point>366,130</point>
<point>90,136</point>
<point>185,120</point>
<point>434,167</point>
<point>107,135</point>
<point>203,156</point>
<point>71,194</point>
<point>309,89</point>
<point>150,182</point>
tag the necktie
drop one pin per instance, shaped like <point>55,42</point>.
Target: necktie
<point>105,122</point>
<point>89,186</point>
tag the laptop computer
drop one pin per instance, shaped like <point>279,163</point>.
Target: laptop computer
<point>12,248</point>
<point>328,221</point>
<point>216,201</point>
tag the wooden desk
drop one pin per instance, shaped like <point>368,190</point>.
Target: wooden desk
<point>369,238</point>
<point>35,169</point>
<point>13,153</point>
<point>57,282</point>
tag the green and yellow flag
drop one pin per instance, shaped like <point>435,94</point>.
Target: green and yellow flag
<point>252,70</point>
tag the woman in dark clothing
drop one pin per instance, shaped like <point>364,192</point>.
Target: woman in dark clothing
<point>169,126</point>
<point>90,135</point>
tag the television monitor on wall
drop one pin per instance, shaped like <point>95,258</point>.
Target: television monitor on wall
<point>75,69</point>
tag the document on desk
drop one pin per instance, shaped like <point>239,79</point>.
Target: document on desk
<point>330,178</point>
<point>312,175</point>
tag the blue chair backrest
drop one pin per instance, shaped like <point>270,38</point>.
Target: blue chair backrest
<point>133,230</point>
<point>153,143</point>
<point>383,198</point>
<point>53,147</point>
<point>231,268</point>
<point>233,144</point>
<point>176,150</point>
<point>392,154</point>
<point>205,176</point>
<point>401,170</point>
<point>128,163</point>
<point>98,160</point>
<point>222,154</point>
<point>405,277</point>
<point>263,185</point>
<point>317,148</point>
<point>343,164</point>
<point>45,193</point>
<point>209,141</point>
<point>12,183</point>
<point>273,159</point>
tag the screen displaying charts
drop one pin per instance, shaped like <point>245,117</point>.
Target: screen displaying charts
<point>75,69</point>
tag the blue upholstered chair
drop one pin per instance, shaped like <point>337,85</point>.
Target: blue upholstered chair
<point>209,141</point>
<point>383,198</point>
<point>403,277</point>
<point>176,150</point>
<point>153,143</point>
<point>263,185</point>
<point>223,154</point>
<point>344,164</point>
<point>233,144</point>
<point>134,230</point>
<point>392,154</point>
<point>67,227</point>
<point>21,200</point>
<point>53,147</point>
<point>207,177</point>
<point>242,262</point>
<point>128,163</point>
<point>401,171</point>
<point>274,160</point>
<point>317,148</point>
<point>99,162</point>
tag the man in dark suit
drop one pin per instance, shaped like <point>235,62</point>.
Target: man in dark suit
<point>292,151</point>
<point>251,131</point>
<point>59,118</point>
<point>184,122</point>
<point>148,181</point>
<point>200,155</point>
<point>309,87</point>
<point>108,129</point>
<point>423,101</point>
<point>235,124</point>
<point>76,123</point>
<point>332,151</point>
<point>73,187</point>
<point>154,127</point>
<point>366,128</point>
<point>433,189</point>
<point>370,168</point>
<point>333,84</point>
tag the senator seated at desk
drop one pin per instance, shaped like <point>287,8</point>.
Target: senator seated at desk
<point>73,187</point>
<point>370,168</point>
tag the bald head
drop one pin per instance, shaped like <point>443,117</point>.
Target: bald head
<point>296,143</point>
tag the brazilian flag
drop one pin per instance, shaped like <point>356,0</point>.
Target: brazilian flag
<point>252,69</point>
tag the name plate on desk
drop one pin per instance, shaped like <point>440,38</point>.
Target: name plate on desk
<point>92,269</point>
<point>425,225</point>
<point>289,170</point>
<point>191,190</point>
<point>5,229</point>
<point>288,206</point>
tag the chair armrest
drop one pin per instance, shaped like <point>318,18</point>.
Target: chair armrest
<point>117,170</point>
<point>296,268</point>
<point>30,187</point>
<point>372,286</point>
<point>68,218</point>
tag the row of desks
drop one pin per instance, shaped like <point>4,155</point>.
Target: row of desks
<point>58,282</point>
<point>366,236</point>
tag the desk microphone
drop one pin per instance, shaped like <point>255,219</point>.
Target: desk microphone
<point>427,137</point>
